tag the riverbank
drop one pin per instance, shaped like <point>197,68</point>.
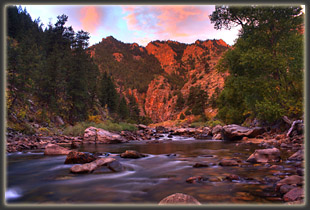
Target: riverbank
<point>281,173</point>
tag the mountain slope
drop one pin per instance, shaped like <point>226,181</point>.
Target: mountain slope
<point>165,75</point>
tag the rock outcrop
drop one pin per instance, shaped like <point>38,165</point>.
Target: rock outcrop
<point>265,155</point>
<point>177,67</point>
<point>179,199</point>
<point>237,132</point>
<point>98,135</point>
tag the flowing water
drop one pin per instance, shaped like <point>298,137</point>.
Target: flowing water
<point>33,178</point>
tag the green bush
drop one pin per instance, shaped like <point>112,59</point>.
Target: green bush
<point>198,124</point>
<point>214,123</point>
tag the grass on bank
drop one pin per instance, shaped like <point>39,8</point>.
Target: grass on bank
<point>79,128</point>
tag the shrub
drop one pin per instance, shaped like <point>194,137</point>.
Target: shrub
<point>182,117</point>
<point>188,112</point>
<point>214,123</point>
<point>45,131</point>
<point>79,128</point>
<point>95,118</point>
<point>23,128</point>
<point>198,124</point>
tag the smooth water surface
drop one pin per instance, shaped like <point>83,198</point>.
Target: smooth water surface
<point>34,178</point>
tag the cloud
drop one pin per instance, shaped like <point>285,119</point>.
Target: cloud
<point>90,18</point>
<point>169,21</point>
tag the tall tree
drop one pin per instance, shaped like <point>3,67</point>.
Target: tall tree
<point>265,64</point>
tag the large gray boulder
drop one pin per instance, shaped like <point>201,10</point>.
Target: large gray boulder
<point>98,135</point>
<point>179,199</point>
<point>237,132</point>
<point>54,149</point>
<point>265,155</point>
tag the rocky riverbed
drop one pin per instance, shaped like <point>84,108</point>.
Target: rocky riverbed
<point>270,164</point>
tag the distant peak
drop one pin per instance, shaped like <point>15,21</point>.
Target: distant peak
<point>134,45</point>
<point>108,38</point>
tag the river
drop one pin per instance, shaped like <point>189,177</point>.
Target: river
<point>33,178</point>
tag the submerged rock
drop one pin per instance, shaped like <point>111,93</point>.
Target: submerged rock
<point>265,155</point>
<point>194,179</point>
<point>226,162</point>
<point>75,157</point>
<point>179,198</point>
<point>132,154</point>
<point>200,165</point>
<point>232,177</point>
<point>54,149</point>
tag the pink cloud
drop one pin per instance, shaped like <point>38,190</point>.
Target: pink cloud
<point>90,18</point>
<point>169,21</point>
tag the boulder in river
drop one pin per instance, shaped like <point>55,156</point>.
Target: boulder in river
<point>227,162</point>
<point>291,180</point>
<point>54,149</point>
<point>232,177</point>
<point>237,132</point>
<point>294,194</point>
<point>265,155</point>
<point>179,199</point>
<point>90,167</point>
<point>216,129</point>
<point>132,154</point>
<point>200,165</point>
<point>194,179</point>
<point>217,136</point>
<point>184,131</point>
<point>299,156</point>
<point>98,135</point>
<point>75,157</point>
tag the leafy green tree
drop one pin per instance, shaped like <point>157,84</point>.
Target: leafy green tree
<point>265,64</point>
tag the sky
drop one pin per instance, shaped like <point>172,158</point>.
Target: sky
<point>137,24</point>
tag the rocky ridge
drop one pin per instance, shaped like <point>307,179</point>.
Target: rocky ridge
<point>183,66</point>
